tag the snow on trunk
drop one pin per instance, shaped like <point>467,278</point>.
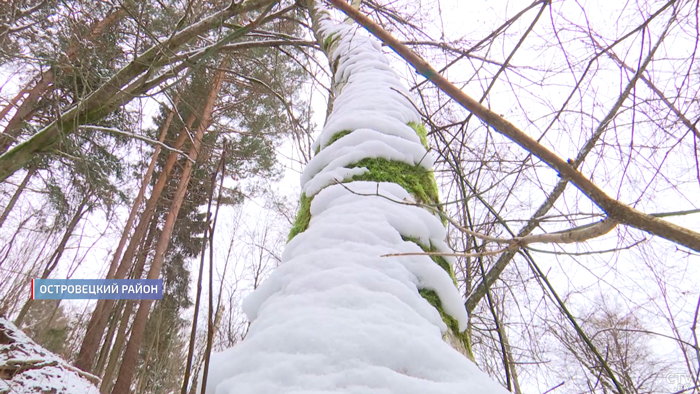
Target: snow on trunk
<point>336,317</point>
<point>27,368</point>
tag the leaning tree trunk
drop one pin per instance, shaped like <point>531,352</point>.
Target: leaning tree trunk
<point>339,314</point>
<point>44,85</point>
<point>129,82</point>
<point>11,204</point>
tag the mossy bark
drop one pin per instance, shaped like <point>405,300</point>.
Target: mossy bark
<point>416,180</point>
<point>421,184</point>
<point>301,223</point>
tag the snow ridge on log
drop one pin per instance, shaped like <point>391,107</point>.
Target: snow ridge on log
<point>28,368</point>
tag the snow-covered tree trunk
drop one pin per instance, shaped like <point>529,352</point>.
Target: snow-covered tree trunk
<point>336,316</point>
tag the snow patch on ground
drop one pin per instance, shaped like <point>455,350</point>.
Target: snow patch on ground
<point>27,368</point>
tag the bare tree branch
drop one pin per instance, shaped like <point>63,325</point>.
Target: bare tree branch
<point>617,210</point>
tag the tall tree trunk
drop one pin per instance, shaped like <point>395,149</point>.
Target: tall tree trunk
<point>198,296</point>
<point>98,319</point>
<point>25,111</point>
<point>58,253</point>
<point>100,306</point>
<point>142,191</point>
<point>126,371</point>
<point>116,350</point>
<point>144,372</point>
<point>128,309</point>
<point>43,87</point>
<point>108,342</point>
<point>14,103</point>
<point>18,192</point>
<point>357,302</point>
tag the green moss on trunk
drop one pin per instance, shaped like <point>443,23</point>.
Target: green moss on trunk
<point>422,133</point>
<point>335,137</point>
<point>451,322</point>
<point>439,260</point>
<point>301,223</point>
<point>421,184</point>
<point>415,179</point>
<point>328,41</point>
<point>434,300</point>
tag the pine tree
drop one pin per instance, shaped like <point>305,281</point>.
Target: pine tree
<point>73,76</point>
<point>132,80</point>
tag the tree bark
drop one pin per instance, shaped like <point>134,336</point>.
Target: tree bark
<point>98,319</point>
<point>11,204</point>
<point>25,111</point>
<point>132,349</point>
<point>14,103</point>
<point>108,343</point>
<point>116,350</point>
<point>126,315</point>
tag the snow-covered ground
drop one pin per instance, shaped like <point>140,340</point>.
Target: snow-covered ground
<point>27,368</point>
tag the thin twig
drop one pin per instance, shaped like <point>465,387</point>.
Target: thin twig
<point>480,254</point>
<point>138,137</point>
